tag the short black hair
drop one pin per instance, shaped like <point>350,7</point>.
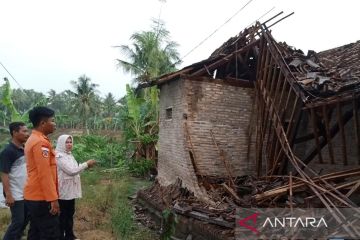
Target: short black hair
<point>15,126</point>
<point>39,113</point>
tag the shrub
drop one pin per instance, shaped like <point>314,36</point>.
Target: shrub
<point>105,150</point>
<point>141,167</point>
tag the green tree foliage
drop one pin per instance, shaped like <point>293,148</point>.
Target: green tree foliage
<point>14,100</point>
<point>62,104</point>
<point>140,126</point>
<point>70,107</point>
<point>25,99</point>
<point>109,105</point>
<point>151,54</point>
<point>7,101</point>
<point>106,151</point>
<point>9,111</point>
<point>60,101</point>
<point>85,98</point>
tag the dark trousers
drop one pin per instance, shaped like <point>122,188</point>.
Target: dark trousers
<point>43,225</point>
<point>19,220</point>
<point>67,210</point>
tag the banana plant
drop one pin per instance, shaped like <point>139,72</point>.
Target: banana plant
<point>134,105</point>
<point>7,101</point>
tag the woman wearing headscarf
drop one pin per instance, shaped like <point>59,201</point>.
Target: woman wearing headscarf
<point>69,184</point>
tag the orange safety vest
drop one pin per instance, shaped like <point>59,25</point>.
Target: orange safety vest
<point>42,179</point>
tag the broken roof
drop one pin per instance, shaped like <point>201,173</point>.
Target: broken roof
<point>318,76</point>
<point>329,73</point>
<point>343,58</point>
<point>221,58</point>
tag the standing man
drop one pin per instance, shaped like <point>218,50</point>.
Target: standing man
<point>13,177</point>
<point>41,189</point>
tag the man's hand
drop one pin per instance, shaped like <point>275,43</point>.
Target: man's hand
<point>55,209</point>
<point>9,201</point>
<point>90,163</point>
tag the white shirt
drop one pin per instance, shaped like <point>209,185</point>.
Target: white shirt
<point>68,176</point>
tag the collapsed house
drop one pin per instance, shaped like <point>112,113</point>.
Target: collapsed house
<point>258,107</point>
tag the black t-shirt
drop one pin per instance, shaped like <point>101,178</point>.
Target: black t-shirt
<point>8,156</point>
<point>12,162</point>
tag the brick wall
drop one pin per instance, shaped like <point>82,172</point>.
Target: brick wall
<point>173,159</point>
<point>224,110</point>
<point>199,108</point>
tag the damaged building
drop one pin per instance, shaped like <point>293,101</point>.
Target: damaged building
<point>256,121</point>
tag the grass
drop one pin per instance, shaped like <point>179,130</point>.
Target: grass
<point>104,211</point>
<point>4,220</point>
<point>108,193</point>
<point>122,214</point>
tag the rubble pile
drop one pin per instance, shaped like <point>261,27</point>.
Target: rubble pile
<point>270,191</point>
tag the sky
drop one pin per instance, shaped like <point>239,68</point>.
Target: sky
<point>45,44</point>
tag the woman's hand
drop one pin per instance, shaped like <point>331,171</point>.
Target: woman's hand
<point>91,163</point>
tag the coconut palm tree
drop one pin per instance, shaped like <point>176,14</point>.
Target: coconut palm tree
<point>85,98</point>
<point>151,54</point>
<point>109,105</point>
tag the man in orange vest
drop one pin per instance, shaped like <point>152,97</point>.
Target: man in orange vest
<point>41,189</point>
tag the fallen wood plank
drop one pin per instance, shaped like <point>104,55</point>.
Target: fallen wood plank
<point>291,192</point>
<point>284,189</point>
<point>204,217</point>
<point>231,191</point>
<point>341,186</point>
<point>353,189</point>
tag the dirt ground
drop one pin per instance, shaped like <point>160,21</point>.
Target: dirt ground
<point>88,224</point>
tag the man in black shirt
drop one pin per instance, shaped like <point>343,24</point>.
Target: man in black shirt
<point>13,177</point>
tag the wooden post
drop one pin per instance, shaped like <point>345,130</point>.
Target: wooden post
<point>342,132</point>
<point>260,110</point>
<point>313,120</point>
<point>274,73</point>
<point>283,110</point>
<point>265,67</point>
<point>261,61</point>
<point>259,115</point>
<point>269,71</point>
<point>356,126</point>
<point>333,131</point>
<point>290,132</point>
<point>289,127</point>
<point>277,94</point>
<point>272,140</point>
<point>328,136</point>
<point>282,90</point>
